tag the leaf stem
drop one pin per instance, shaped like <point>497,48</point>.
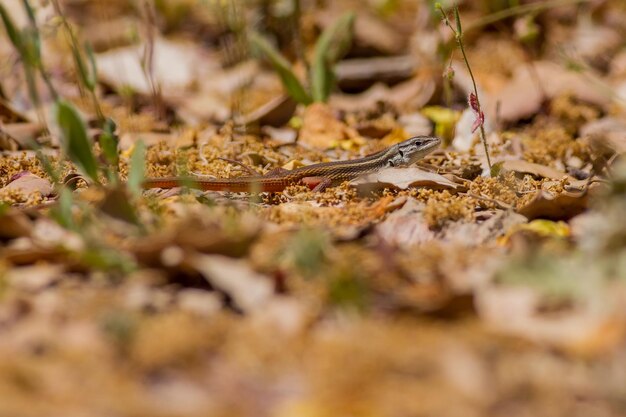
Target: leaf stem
<point>458,35</point>
<point>483,137</point>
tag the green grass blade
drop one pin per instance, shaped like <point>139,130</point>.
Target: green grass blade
<point>30,12</point>
<point>330,47</point>
<point>291,83</point>
<point>136,171</point>
<point>457,19</point>
<point>12,32</point>
<point>109,142</point>
<point>92,77</point>
<point>83,74</point>
<point>76,143</point>
<point>31,47</point>
<point>62,212</point>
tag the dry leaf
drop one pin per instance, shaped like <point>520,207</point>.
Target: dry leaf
<point>593,43</point>
<point>14,224</point>
<point>128,140</point>
<point>473,234</point>
<point>280,135</point>
<point>415,124</point>
<point>248,289</point>
<point>401,178</point>
<point>8,114</point>
<point>606,136</point>
<point>321,129</point>
<point>200,302</point>
<point>276,112</point>
<point>538,170</point>
<point>529,86</point>
<point>411,94</point>
<point>199,231</point>
<point>406,226</point>
<point>370,31</point>
<point>562,206</point>
<point>24,134</point>
<point>28,183</point>
<point>34,277</point>
<point>358,73</point>
<point>176,66</point>
<point>581,331</point>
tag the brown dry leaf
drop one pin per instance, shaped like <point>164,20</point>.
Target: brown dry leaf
<point>212,99</point>
<point>34,277</point>
<point>594,43</point>
<point>28,183</point>
<point>8,114</point>
<point>7,143</point>
<point>473,234</point>
<point>370,32</point>
<point>276,112</point>
<point>411,94</point>
<point>195,109</point>
<point>401,178</point>
<point>280,135</point>
<point>414,93</point>
<point>176,66</point>
<point>358,73</point>
<point>47,241</point>
<point>583,331</point>
<point>562,206</point>
<point>14,224</point>
<point>128,140</point>
<point>200,302</point>
<point>110,32</point>
<point>197,231</point>
<point>539,170</point>
<point>248,289</point>
<point>22,133</point>
<point>406,226</point>
<point>321,129</point>
<point>529,86</point>
<point>606,136</point>
<point>415,124</point>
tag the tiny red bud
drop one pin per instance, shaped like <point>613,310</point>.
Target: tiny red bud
<point>480,120</point>
<point>473,102</point>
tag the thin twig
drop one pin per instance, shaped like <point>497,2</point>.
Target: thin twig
<point>498,203</point>
<point>458,34</point>
<point>248,169</point>
<point>519,10</point>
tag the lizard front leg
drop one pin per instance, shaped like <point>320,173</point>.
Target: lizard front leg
<point>317,184</point>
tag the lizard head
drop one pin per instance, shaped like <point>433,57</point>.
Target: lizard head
<point>413,149</point>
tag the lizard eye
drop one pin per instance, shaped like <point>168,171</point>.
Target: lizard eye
<point>401,153</point>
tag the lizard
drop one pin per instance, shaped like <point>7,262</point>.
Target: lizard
<point>316,176</point>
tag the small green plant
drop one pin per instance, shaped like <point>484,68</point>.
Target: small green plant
<point>519,9</point>
<point>332,44</point>
<point>147,60</point>
<point>307,251</point>
<point>27,44</point>
<point>74,139</point>
<point>473,100</point>
<point>87,74</point>
<point>135,173</point>
<point>347,289</point>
